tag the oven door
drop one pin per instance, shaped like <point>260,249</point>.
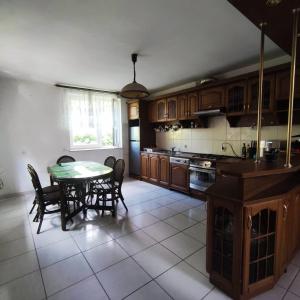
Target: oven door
<point>201,178</point>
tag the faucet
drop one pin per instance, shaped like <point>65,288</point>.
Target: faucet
<point>173,149</point>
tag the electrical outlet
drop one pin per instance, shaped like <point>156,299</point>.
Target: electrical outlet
<point>1,184</point>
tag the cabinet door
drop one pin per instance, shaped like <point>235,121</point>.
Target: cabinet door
<point>182,107</point>
<point>192,105</point>
<point>154,168</point>
<point>152,111</point>
<point>172,109</point>
<point>283,85</point>
<point>262,225</point>
<point>236,97</point>
<point>144,166</point>
<point>133,110</point>
<point>268,94</point>
<point>212,98</point>
<point>164,170</point>
<point>161,110</point>
<point>179,177</point>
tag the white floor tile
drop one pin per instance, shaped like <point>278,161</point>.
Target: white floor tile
<point>28,287</point>
<point>88,289</point>
<point>46,238</point>
<point>105,255</point>
<point>197,213</point>
<point>120,228</point>
<point>182,245</point>
<point>198,232</point>
<point>180,221</point>
<point>56,252</point>
<point>287,278</point>
<point>183,282</point>
<point>198,261</point>
<point>276,293</point>
<point>149,292</point>
<point>291,296</point>
<point>135,242</point>
<point>143,220</point>
<point>65,273</point>
<point>18,266</point>
<point>122,279</point>
<point>156,260</point>
<point>295,287</point>
<point>160,231</point>
<point>92,238</point>
<point>163,212</point>
<point>179,206</point>
<point>216,294</point>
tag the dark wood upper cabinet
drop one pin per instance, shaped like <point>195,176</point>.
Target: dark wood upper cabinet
<point>193,104</point>
<point>182,106</point>
<point>236,98</point>
<point>164,170</point>
<point>212,98</point>
<point>133,110</point>
<point>152,111</point>
<point>171,108</point>
<point>161,110</point>
<point>268,94</point>
<point>283,85</point>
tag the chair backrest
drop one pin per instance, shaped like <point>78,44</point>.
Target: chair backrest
<point>119,169</point>
<point>65,159</point>
<point>36,183</point>
<point>110,161</point>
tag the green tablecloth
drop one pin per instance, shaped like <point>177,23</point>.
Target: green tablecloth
<point>79,170</point>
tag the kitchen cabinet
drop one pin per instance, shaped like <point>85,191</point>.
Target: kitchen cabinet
<point>268,94</point>
<point>152,111</point>
<point>212,98</point>
<point>153,167</point>
<point>236,98</point>
<point>167,109</point>
<point>179,177</point>
<point>283,85</point>
<point>187,104</point>
<point>164,170</point>
<point>145,166</point>
<point>133,110</point>
<point>262,232</point>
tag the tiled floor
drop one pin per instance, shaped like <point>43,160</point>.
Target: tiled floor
<point>156,251</point>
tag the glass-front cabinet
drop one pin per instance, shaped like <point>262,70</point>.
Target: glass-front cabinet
<point>261,232</point>
<point>236,98</point>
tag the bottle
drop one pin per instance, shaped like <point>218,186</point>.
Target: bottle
<point>244,151</point>
<point>248,151</point>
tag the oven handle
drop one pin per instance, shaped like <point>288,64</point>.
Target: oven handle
<point>202,170</point>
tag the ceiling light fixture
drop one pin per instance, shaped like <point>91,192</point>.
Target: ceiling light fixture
<point>272,3</point>
<point>134,90</point>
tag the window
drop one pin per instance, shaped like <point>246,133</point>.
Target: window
<point>94,119</point>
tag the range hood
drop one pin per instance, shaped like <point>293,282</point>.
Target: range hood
<point>210,112</point>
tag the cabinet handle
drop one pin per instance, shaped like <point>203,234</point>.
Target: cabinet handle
<point>249,222</point>
<point>244,108</point>
<point>285,211</point>
<point>248,106</point>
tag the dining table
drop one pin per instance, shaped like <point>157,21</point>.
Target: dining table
<point>75,178</point>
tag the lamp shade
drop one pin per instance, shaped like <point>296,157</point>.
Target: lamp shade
<point>134,90</point>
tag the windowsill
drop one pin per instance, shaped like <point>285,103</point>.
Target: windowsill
<point>91,149</point>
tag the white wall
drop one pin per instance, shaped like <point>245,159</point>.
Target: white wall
<point>33,130</point>
<point>209,140</point>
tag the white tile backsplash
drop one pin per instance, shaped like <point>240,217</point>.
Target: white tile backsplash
<point>209,140</point>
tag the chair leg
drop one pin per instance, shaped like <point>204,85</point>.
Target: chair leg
<point>33,205</point>
<point>36,217</point>
<point>40,224</point>
<point>122,199</point>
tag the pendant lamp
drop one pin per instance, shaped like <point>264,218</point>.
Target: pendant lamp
<point>134,90</point>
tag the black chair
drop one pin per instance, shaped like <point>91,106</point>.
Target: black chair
<point>65,159</point>
<point>43,200</point>
<point>118,177</point>
<point>110,161</point>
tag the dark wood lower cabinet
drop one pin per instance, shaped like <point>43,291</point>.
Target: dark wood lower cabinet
<point>145,166</point>
<point>179,177</point>
<point>249,245</point>
<point>154,168</point>
<point>164,170</point>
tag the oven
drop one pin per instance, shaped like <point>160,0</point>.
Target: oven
<point>201,177</point>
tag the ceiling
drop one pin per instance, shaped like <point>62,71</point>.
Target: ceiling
<point>88,43</point>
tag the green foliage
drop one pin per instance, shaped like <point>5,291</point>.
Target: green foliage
<point>85,138</point>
